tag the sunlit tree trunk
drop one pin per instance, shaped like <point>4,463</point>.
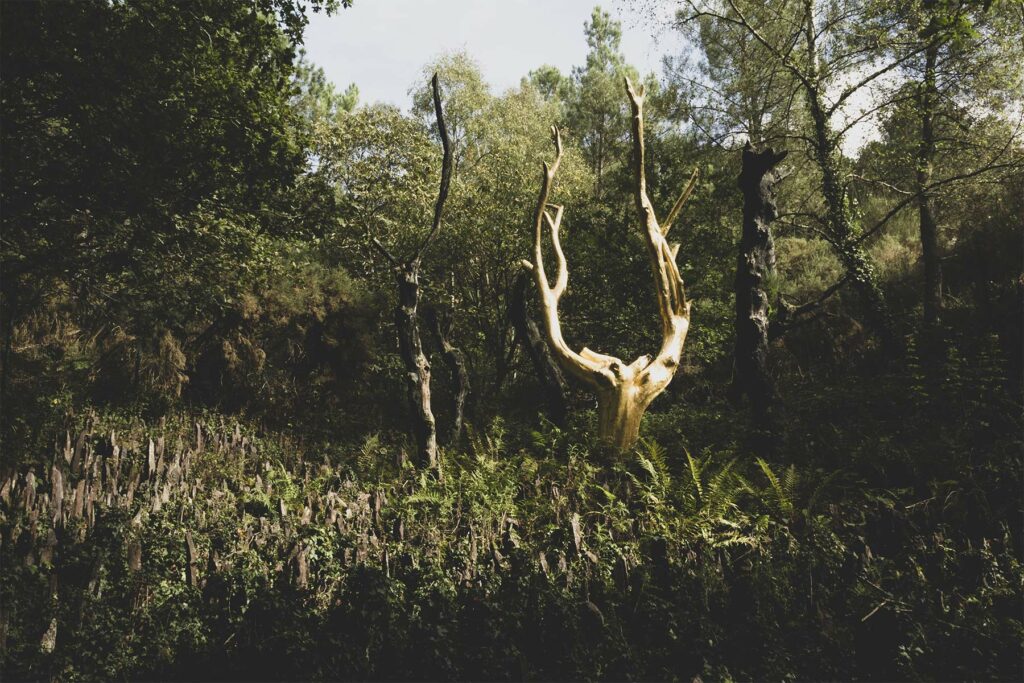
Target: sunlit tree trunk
<point>417,366</point>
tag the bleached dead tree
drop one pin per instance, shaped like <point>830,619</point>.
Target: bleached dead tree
<point>623,391</point>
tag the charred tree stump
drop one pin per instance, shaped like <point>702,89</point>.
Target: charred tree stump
<point>556,391</point>
<point>755,264</point>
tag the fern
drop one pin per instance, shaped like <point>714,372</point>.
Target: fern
<point>790,482</point>
<point>695,474</point>
<point>820,488</point>
<point>722,490</point>
<point>782,495</point>
<point>648,467</point>
<point>427,497</point>
<point>656,455</point>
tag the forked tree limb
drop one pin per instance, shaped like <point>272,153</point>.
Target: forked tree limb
<point>384,251</point>
<point>677,207</point>
<point>440,324</point>
<point>623,391</point>
<point>407,324</point>
<point>587,371</point>
<point>672,303</point>
<point>548,372</point>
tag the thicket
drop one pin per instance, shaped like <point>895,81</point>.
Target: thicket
<point>199,549</point>
<point>207,469</point>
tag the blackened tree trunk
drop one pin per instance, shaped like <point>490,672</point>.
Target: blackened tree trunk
<point>440,323</point>
<point>755,264</point>
<point>417,366</point>
<point>552,381</point>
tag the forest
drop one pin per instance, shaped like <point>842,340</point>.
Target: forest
<point>297,386</point>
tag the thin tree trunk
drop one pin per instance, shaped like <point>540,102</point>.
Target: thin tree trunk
<point>840,223</point>
<point>842,235</point>
<point>556,391</point>
<point>755,264</point>
<point>932,296</point>
<point>417,377</point>
<point>456,362</point>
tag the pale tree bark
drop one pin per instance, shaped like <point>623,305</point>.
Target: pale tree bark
<point>407,275</point>
<point>623,391</point>
<point>417,366</point>
<point>754,265</point>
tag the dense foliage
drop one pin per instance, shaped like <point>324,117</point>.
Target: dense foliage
<point>207,467</point>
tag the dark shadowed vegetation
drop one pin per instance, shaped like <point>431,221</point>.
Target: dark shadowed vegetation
<point>233,449</point>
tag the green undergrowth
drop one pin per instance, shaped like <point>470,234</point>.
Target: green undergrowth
<point>549,561</point>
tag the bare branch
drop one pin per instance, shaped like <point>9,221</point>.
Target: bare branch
<point>446,170</point>
<point>383,250</point>
<point>945,181</point>
<point>542,204</point>
<point>848,92</point>
<point>584,369</point>
<point>680,202</point>
<point>672,304</point>
<point>881,183</point>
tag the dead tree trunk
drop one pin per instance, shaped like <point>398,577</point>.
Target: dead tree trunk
<point>623,391</point>
<point>407,273</point>
<point>556,391</point>
<point>440,323</point>
<point>417,366</point>
<point>754,265</point>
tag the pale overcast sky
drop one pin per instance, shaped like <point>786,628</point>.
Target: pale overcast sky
<point>382,45</point>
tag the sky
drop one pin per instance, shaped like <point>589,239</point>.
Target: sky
<point>382,45</point>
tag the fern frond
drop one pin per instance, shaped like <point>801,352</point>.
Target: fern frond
<point>648,467</point>
<point>722,489</point>
<point>656,454</point>
<point>783,501</point>
<point>425,497</point>
<point>790,482</point>
<point>695,475</point>
<point>820,488</point>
